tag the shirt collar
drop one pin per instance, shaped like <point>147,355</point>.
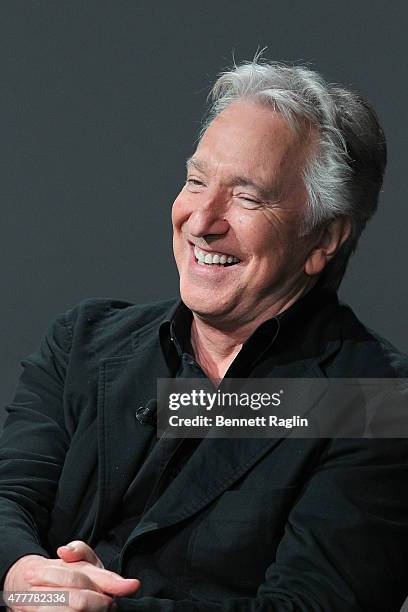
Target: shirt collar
<point>280,329</point>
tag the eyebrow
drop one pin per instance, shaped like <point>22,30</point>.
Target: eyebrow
<point>265,193</point>
<point>196,163</point>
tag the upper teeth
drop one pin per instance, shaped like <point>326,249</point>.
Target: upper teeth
<point>214,258</point>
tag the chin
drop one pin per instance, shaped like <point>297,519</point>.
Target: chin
<point>204,306</point>
<point>198,306</point>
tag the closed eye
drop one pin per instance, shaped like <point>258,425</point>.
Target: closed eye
<point>249,201</point>
<point>193,181</point>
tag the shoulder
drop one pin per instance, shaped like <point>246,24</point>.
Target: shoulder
<point>118,313</point>
<point>105,327</point>
<point>366,353</point>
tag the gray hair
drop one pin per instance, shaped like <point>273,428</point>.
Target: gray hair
<point>344,175</point>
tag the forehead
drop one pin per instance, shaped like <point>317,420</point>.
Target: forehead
<point>251,138</point>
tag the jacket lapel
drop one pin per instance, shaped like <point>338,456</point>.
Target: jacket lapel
<point>126,384</point>
<point>218,463</point>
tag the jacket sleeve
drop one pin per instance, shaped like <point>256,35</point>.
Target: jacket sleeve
<point>345,543</point>
<point>32,449</point>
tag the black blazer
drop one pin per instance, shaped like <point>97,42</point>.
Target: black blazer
<point>270,524</point>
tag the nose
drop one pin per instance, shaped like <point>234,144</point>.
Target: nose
<point>208,219</point>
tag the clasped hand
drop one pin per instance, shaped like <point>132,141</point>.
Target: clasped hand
<point>78,572</point>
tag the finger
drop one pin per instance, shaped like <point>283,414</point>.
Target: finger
<point>60,577</point>
<point>88,600</point>
<point>110,582</point>
<point>82,576</point>
<point>78,551</point>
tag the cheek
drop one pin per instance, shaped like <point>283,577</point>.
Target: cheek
<point>178,212</point>
<point>262,241</point>
<point>181,210</point>
<point>178,217</point>
<point>252,232</point>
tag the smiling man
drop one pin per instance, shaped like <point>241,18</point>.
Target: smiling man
<point>285,176</point>
<point>237,223</point>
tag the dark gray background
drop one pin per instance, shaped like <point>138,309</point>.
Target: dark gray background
<point>100,105</point>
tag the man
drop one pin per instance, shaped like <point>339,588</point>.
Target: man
<point>284,178</point>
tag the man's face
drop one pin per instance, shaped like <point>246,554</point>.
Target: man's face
<point>240,209</point>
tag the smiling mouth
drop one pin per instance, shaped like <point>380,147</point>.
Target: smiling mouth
<point>214,258</point>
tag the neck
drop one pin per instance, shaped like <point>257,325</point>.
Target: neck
<point>216,344</point>
<point>213,349</point>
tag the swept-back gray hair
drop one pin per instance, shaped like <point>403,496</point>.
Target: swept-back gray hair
<point>344,174</point>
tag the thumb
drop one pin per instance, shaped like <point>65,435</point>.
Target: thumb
<point>78,551</point>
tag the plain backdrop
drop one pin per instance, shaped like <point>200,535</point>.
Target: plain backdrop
<point>100,106</point>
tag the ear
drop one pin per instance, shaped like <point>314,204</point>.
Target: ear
<point>329,240</point>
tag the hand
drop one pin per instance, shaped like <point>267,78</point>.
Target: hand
<point>78,571</point>
<point>78,551</point>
